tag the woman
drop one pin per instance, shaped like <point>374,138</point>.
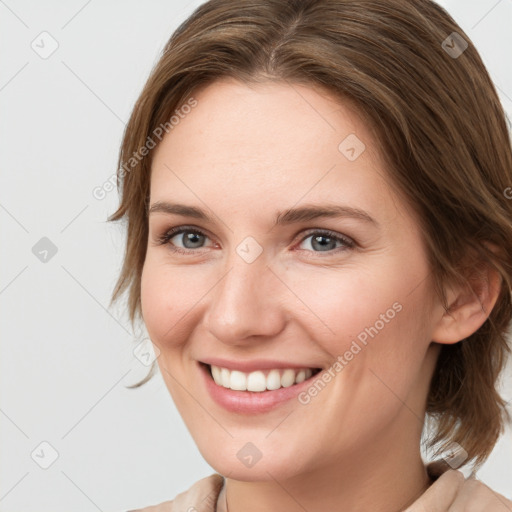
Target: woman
<point>320,247</point>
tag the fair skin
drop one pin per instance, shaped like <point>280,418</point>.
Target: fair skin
<point>243,154</point>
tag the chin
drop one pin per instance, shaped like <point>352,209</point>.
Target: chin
<point>275,467</point>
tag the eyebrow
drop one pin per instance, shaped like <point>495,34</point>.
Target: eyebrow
<point>285,217</point>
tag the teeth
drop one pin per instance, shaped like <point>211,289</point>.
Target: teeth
<point>258,381</point>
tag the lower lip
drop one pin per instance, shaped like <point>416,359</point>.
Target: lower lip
<point>251,402</point>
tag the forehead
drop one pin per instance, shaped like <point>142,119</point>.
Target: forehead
<point>267,143</point>
<point>271,121</point>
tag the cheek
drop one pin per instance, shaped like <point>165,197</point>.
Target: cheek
<point>164,301</point>
<point>342,302</point>
<point>381,309</point>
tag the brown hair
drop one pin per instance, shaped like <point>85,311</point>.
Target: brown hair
<point>441,129</point>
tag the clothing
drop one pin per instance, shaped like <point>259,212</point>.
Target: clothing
<point>206,495</point>
<point>209,495</point>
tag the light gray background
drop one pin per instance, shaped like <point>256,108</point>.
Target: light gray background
<point>65,357</point>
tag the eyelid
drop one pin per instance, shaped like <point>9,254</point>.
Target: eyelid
<point>331,233</point>
<point>349,243</point>
<point>346,240</point>
<point>176,230</point>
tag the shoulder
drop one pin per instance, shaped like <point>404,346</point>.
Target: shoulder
<point>200,497</point>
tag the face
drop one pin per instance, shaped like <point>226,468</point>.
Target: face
<point>347,292</point>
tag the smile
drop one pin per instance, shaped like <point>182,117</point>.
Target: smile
<point>260,380</point>
<point>246,401</point>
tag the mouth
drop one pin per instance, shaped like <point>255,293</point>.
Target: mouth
<point>259,381</point>
<point>244,401</point>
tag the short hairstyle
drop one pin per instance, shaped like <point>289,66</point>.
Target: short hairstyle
<point>441,130</point>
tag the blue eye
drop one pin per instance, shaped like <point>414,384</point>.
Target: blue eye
<point>190,241</point>
<point>324,241</point>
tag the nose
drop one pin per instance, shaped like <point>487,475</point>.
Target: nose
<point>246,302</point>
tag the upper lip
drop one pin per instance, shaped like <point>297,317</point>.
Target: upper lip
<point>253,364</point>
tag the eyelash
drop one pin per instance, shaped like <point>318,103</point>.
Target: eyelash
<point>168,235</point>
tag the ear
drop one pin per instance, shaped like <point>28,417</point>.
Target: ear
<point>470,304</point>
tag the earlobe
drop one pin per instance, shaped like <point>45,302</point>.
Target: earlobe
<point>469,306</point>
